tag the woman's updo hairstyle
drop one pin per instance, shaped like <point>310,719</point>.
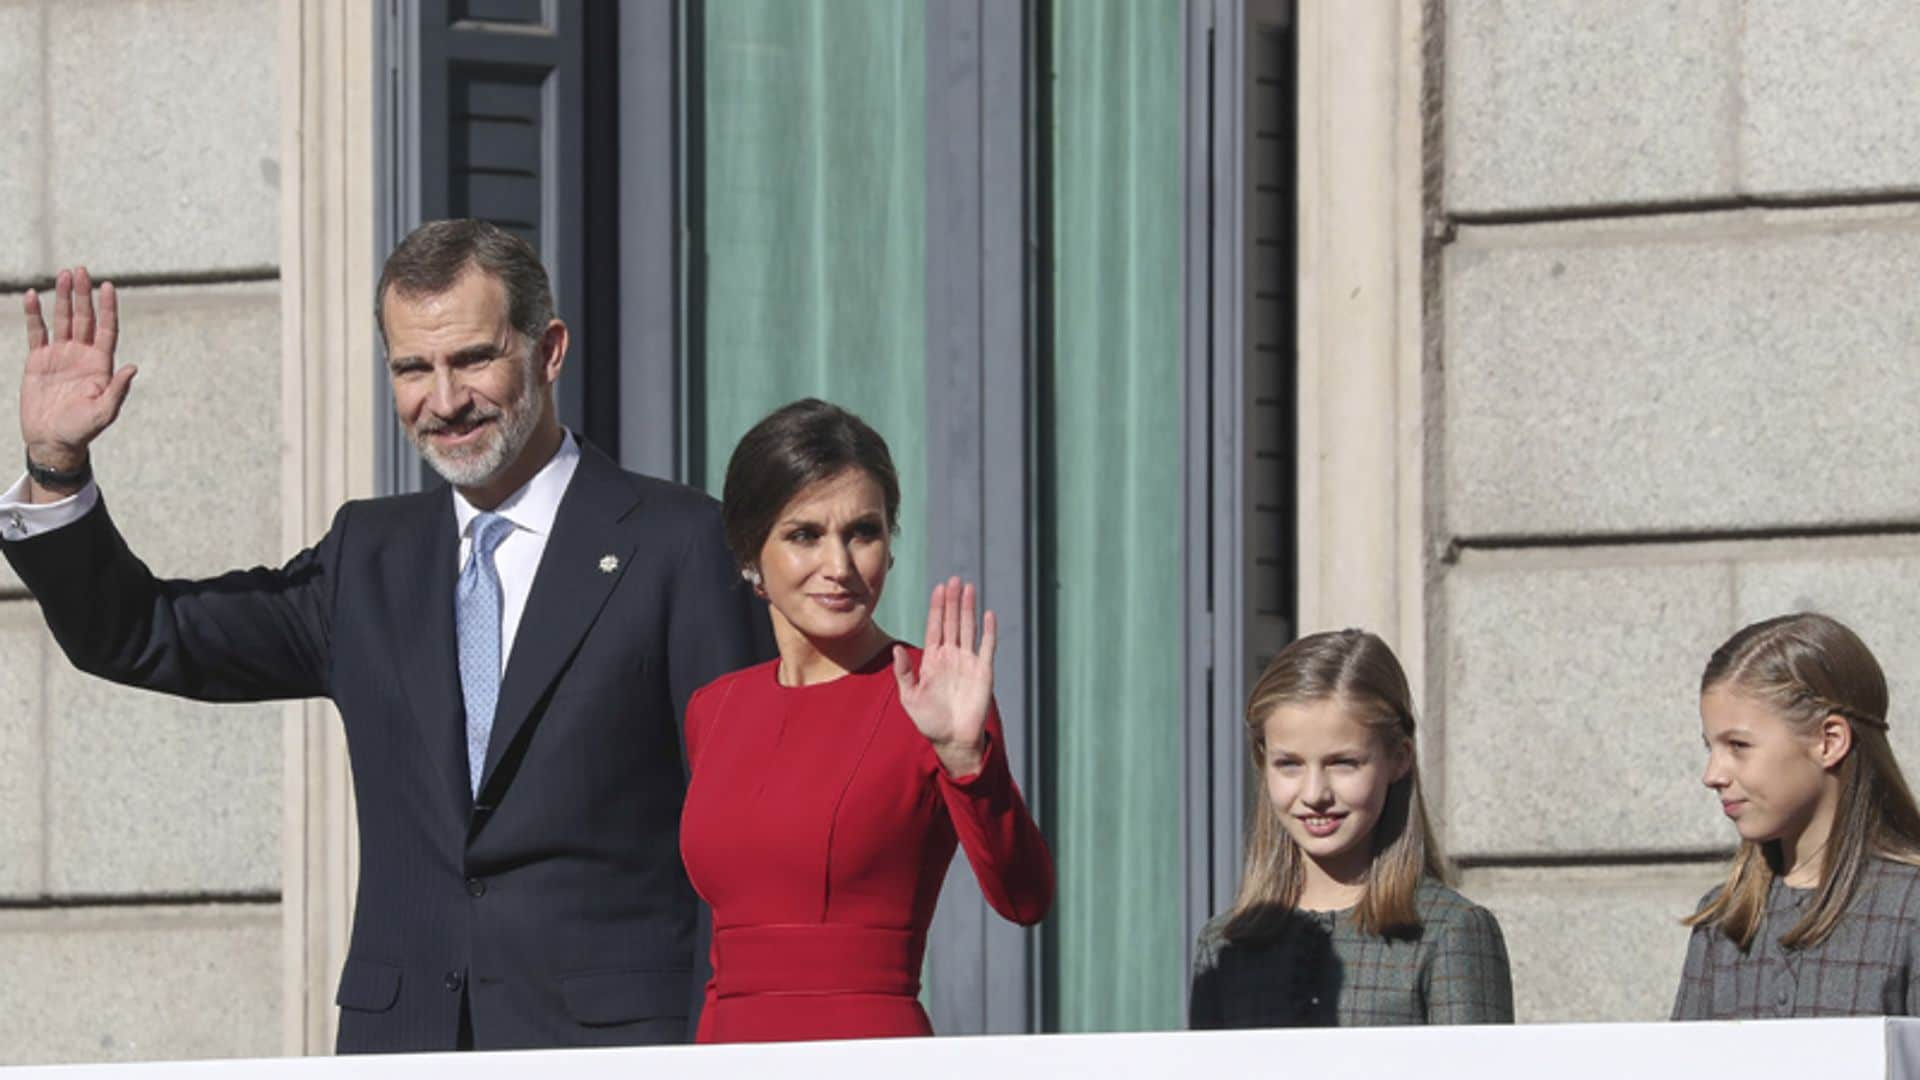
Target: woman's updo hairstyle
<point>795,447</point>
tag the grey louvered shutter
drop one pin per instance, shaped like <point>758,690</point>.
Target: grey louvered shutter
<point>1267,351</point>
<point>1242,429</point>
<point>488,116</point>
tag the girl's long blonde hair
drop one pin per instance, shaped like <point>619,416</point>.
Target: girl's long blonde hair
<point>1806,668</point>
<point>1358,670</point>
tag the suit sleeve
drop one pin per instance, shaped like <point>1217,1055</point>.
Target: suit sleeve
<point>1009,856</point>
<point>715,625</point>
<point>250,635</point>
<point>1470,981</point>
<point>691,725</point>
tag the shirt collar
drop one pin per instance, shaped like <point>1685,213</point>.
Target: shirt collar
<point>537,503</point>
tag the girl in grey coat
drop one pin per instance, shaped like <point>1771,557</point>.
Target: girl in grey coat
<point>1343,916</point>
<point>1820,912</point>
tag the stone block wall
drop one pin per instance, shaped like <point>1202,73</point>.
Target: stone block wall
<point>140,836</point>
<point>1679,366</point>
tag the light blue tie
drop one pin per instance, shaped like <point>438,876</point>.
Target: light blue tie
<point>476,618</point>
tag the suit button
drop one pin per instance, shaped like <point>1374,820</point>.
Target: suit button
<point>476,888</point>
<point>455,981</point>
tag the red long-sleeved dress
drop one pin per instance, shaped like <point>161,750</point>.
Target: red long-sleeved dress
<point>819,825</point>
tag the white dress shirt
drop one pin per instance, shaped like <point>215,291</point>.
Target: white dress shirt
<point>20,519</point>
<point>531,510</point>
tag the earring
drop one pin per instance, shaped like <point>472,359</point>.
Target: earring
<point>751,576</point>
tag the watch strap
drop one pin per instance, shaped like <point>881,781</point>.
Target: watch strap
<point>54,478</point>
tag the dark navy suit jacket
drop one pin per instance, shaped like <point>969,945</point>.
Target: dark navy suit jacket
<point>555,902</point>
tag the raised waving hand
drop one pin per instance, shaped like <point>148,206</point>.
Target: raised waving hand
<point>71,390</point>
<point>951,694</point>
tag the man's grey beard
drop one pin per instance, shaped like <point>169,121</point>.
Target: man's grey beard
<point>512,431</point>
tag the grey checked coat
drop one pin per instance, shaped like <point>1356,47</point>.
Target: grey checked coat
<point>1866,967</point>
<point>1322,971</point>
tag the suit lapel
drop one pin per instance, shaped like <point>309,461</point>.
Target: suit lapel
<point>418,581</point>
<point>585,558</point>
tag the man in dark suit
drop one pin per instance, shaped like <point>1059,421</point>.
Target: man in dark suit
<point>510,656</point>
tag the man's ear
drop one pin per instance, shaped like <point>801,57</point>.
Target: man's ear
<point>1836,739</point>
<point>553,350</point>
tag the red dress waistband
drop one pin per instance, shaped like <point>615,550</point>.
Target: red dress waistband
<point>814,959</point>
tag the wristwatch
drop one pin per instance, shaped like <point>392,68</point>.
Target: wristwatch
<point>54,478</point>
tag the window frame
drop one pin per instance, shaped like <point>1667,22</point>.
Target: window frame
<point>987,331</point>
<point>981,357</point>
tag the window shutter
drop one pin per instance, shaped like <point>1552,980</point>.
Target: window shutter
<point>1267,357</point>
<point>1241,417</point>
<point>488,114</point>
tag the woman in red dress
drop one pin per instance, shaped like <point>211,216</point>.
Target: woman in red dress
<point>830,786</point>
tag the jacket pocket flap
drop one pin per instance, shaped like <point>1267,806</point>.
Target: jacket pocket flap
<point>620,997</point>
<point>368,985</point>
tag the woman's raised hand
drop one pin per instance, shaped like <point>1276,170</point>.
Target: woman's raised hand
<point>949,697</point>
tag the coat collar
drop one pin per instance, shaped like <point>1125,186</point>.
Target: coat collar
<point>534,507</point>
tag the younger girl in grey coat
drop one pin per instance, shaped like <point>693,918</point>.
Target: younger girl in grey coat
<point>1820,912</point>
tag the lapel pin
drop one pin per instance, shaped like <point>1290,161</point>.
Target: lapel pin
<point>608,564</point>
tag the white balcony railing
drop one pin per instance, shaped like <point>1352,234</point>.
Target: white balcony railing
<point>1751,1050</point>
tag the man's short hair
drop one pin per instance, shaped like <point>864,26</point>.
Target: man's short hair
<point>433,257</point>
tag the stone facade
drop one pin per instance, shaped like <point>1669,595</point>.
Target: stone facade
<point>195,980</point>
<point>140,846</point>
<point>1677,368</point>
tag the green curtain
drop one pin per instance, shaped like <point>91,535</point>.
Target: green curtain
<point>815,192</point>
<point>1112,449</point>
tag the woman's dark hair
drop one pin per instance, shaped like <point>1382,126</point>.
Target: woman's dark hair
<point>798,446</point>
